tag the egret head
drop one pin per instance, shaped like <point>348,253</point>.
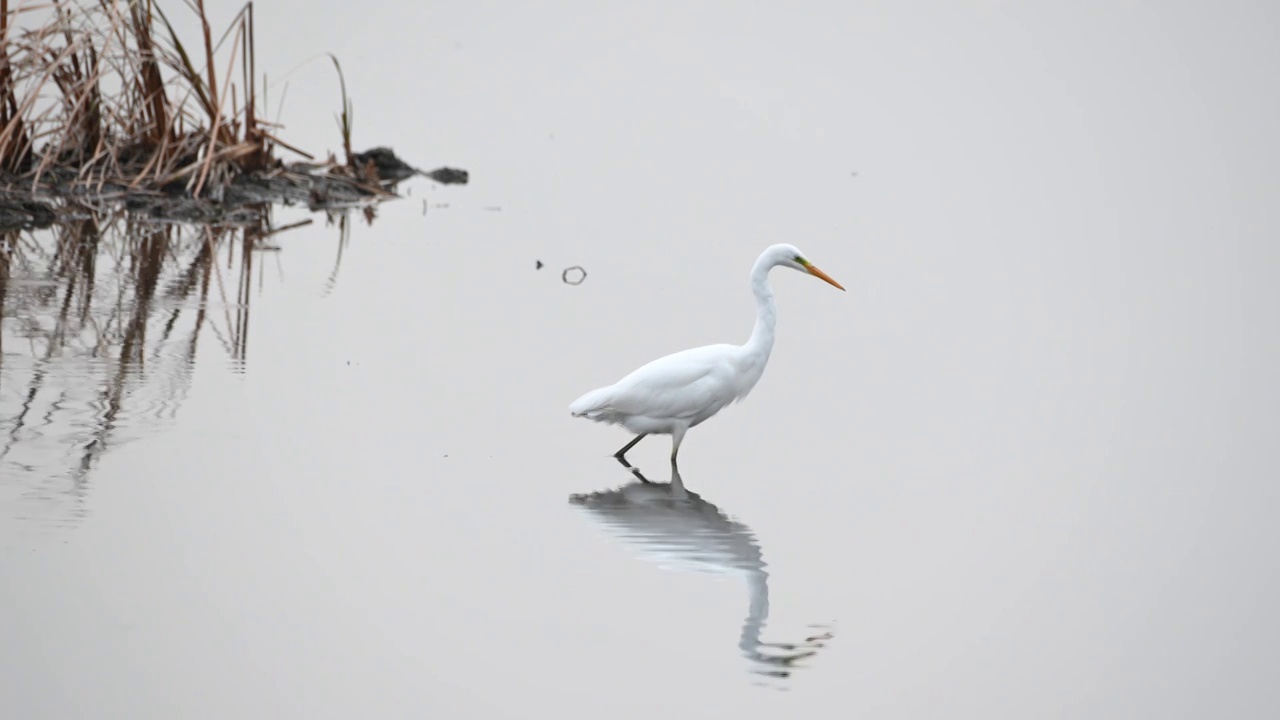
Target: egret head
<point>790,256</point>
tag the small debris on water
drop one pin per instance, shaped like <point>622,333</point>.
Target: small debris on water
<point>573,275</point>
<point>449,176</point>
<point>537,265</point>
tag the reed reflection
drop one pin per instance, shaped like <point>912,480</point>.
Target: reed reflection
<point>103,317</point>
<point>677,528</point>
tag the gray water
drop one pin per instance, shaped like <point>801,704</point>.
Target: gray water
<point>1024,467</point>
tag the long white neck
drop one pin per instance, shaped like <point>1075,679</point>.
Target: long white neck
<point>760,344</point>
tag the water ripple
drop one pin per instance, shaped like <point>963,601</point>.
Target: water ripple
<point>102,320</point>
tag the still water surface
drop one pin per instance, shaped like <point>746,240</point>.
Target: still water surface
<point>1025,467</point>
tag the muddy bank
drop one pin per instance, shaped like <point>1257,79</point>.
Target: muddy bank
<point>61,193</point>
<point>106,106</point>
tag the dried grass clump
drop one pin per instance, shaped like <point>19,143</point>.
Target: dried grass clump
<point>110,94</point>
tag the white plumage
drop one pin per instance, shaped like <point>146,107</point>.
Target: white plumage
<point>674,393</point>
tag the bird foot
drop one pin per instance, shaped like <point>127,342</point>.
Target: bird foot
<point>632,469</point>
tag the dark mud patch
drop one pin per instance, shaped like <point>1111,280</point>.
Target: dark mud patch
<point>60,194</point>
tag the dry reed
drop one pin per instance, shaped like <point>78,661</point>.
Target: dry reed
<point>104,95</point>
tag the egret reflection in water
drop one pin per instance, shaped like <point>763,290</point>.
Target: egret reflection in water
<point>673,526</point>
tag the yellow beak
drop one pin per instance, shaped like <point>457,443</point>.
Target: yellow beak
<point>813,270</point>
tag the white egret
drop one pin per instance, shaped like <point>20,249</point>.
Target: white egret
<point>674,393</point>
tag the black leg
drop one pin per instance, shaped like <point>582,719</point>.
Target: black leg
<point>634,470</point>
<point>677,437</point>
<point>630,445</point>
<point>621,457</point>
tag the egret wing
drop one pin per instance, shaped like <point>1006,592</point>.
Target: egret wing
<point>678,386</point>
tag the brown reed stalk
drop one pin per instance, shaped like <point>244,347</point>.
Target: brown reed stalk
<point>108,90</point>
